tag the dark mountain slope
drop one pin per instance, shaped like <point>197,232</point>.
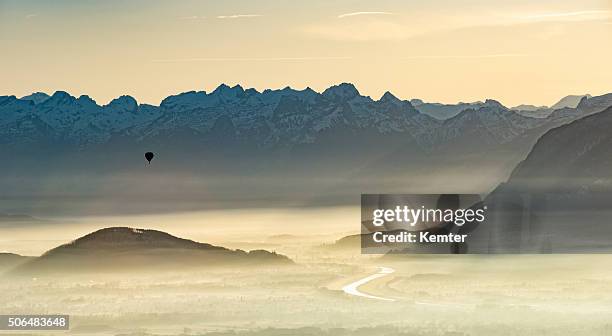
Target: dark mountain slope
<point>125,249</point>
<point>576,155</point>
<point>11,260</point>
<point>558,199</point>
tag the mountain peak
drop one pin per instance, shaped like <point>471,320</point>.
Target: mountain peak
<point>528,107</point>
<point>493,103</point>
<point>416,102</point>
<point>570,101</point>
<point>61,95</point>
<point>309,90</point>
<point>221,87</point>
<point>185,99</point>
<point>36,97</point>
<point>125,103</point>
<point>227,91</point>
<point>86,100</point>
<point>59,98</point>
<point>251,92</point>
<point>595,104</point>
<point>344,90</point>
<point>389,98</point>
<point>583,101</point>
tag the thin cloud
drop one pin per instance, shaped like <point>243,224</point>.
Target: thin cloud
<point>587,15</point>
<point>342,16</point>
<point>394,30</point>
<point>465,56</point>
<point>251,59</point>
<point>238,16</point>
<point>31,16</point>
<point>194,17</point>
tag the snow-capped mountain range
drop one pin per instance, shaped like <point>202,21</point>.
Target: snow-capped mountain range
<point>269,119</point>
<point>268,148</point>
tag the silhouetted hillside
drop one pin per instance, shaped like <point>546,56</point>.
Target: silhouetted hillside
<point>573,156</point>
<point>125,249</point>
<point>557,199</point>
<point>10,260</point>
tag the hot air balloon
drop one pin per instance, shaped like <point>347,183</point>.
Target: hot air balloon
<point>149,156</point>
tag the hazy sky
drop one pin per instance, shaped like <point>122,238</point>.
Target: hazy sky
<point>437,50</point>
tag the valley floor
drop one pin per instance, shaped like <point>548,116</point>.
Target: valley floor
<point>431,295</point>
<point>504,295</point>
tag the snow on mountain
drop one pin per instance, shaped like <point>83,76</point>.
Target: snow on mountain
<point>272,118</point>
<point>36,97</point>
<point>284,116</point>
<point>123,104</point>
<point>67,114</point>
<point>443,111</point>
<point>587,105</point>
<point>528,108</point>
<point>12,109</point>
<point>568,103</point>
<point>344,91</point>
<point>491,123</point>
<point>571,101</point>
<point>595,104</point>
<point>416,102</point>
